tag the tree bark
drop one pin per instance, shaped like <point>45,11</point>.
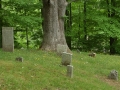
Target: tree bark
<point>53,24</point>
<point>0,25</point>
<point>84,21</point>
<point>78,42</point>
<point>111,13</point>
<point>68,25</point>
<point>112,39</point>
<point>112,45</point>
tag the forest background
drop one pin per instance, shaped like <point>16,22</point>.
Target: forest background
<point>90,25</point>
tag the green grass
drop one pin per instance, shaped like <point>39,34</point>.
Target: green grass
<point>41,70</point>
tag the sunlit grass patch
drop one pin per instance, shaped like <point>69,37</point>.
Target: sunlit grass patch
<point>41,70</point>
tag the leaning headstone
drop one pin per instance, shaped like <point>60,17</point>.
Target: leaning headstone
<point>20,59</point>
<point>7,39</point>
<point>61,48</point>
<point>70,71</point>
<point>66,58</point>
<point>113,75</point>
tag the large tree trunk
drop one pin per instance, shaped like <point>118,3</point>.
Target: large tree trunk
<point>53,24</point>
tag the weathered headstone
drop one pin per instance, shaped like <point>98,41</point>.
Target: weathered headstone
<point>7,39</point>
<point>113,75</point>
<point>92,54</point>
<point>70,71</point>
<point>20,59</point>
<point>66,58</point>
<point>61,48</point>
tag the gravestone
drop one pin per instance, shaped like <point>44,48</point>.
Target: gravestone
<point>7,39</point>
<point>66,58</point>
<point>70,71</point>
<point>113,75</point>
<point>61,48</point>
<point>20,59</point>
<point>92,54</point>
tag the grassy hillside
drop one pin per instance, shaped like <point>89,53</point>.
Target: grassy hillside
<point>41,70</point>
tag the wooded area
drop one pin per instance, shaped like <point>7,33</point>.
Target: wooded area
<point>90,25</point>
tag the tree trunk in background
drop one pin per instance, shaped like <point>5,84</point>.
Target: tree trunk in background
<point>0,25</point>
<point>84,21</point>
<point>112,45</point>
<point>112,39</point>
<point>53,24</point>
<point>68,25</point>
<point>78,42</point>
<point>111,13</point>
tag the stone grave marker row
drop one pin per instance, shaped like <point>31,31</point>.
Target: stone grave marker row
<point>66,59</point>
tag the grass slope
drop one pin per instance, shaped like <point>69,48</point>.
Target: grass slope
<point>41,70</point>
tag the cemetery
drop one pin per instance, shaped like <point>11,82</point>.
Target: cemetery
<point>59,45</point>
<point>33,69</point>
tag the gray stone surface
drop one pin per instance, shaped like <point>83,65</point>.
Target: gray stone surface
<point>113,75</point>
<point>61,48</point>
<point>7,39</point>
<point>66,58</point>
<point>70,71</point>
<point>20,59</point>
<point>92,54</point>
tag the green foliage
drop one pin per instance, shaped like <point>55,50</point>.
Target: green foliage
<point>23,15</point>
<point>99,26</point>
<point>31,37</point>
<point>20,40</point>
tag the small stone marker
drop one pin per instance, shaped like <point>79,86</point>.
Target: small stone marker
<point>113,75</point>
<point>70,71</point>
<point>20,59</point>
<point>92,54</point>
<point>78,51</point>
<point>61,48</point>
<point>7,39</point>
<point>66,58</point>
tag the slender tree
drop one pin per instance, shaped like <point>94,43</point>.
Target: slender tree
<point>111,14</point>
<point>53,24</point>
<point>78,29</point>
<point>68,25</point>
<point>84,21</point>
<point>0,24</point>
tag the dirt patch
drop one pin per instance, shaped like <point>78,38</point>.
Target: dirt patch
<point>114,83</point>
<point>111,82</point>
